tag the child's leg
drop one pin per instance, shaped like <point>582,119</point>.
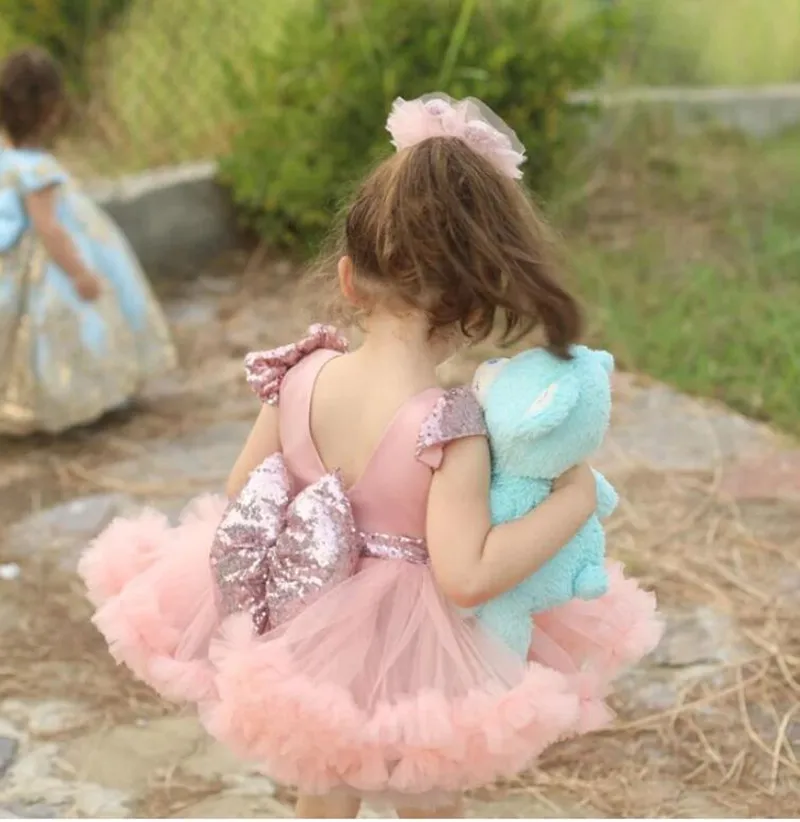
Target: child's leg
<point>454,811</point>
<point>327,807</point>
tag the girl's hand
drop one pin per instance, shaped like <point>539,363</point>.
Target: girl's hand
<point>88,287</point>
<point>41,207</point>
<point>581,477</point>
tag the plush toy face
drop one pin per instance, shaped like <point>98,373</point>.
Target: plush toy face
<point>545,414</point>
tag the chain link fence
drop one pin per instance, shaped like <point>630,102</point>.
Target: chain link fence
<point>149,78</point>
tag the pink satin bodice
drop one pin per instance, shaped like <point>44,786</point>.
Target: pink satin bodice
<point>295,529</point>
<point>391,495</point>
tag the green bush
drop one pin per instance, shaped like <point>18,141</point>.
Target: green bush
<point>8,38</point>
<point>313,107</point>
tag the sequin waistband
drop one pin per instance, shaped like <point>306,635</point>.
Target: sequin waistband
<point>394,546</point>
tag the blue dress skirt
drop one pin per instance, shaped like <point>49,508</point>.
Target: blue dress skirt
<point>64,362</point>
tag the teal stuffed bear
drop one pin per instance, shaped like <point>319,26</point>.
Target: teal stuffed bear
<point>544,415</point>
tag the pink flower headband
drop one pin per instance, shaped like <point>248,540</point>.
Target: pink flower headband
<point>437,115</point>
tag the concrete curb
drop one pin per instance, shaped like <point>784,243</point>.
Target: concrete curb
<point>760,111</point>
<point>176,219</point>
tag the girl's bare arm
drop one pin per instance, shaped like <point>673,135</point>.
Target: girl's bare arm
<point>41,207</point>
<point>474,562</point>
<point>264,440</point>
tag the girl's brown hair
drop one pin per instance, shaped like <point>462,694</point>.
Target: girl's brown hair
<point>438,229</point>
<point>31,93</point>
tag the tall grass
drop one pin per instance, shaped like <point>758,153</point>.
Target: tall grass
<point>686,251</point>
<point>716,42</point>
<point>705,42</point>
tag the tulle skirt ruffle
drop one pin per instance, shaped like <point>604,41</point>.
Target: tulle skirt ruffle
<point>380,687</point>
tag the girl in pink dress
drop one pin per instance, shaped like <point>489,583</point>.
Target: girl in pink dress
<point>320,620</point>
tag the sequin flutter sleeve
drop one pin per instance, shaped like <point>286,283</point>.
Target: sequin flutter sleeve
<point>265,370</point>
<point>457,414</point>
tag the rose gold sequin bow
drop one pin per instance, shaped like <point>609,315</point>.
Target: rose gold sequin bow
<point>273,554</point>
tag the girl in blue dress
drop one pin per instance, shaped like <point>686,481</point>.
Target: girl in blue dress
<point>80,329</point>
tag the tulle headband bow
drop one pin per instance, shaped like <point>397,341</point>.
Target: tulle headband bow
<point>437,115</point>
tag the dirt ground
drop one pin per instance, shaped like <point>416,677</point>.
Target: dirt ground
<point>709,727</point>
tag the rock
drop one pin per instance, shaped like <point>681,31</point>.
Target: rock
<point>775,476</point>
<point>8,751</point>
<point>658,426</point>
<point>35,765</point>
<point>84,516</point>
<point>250,784</point>
<point>96,801</point>
<point>550,804</point>
<point>56,717</point>
<point>126,757</point>
<point>192,313</point>
<point>33,780</point>
<point>368,812</point>
<point>701,636</point>
<point>194,463</point>
<point>8,728</point>
<point>62,532</point>
<point>232,806</point>
<point>696,643</point>
<point>218,286</point>
<point>36,811</point>
<point>212,381</point>
<point>283,268</point>
<point>9,614</point>
<point>211,760</point>
<point>14,712</point>
<point>40,786</point>
<point>789,585</point>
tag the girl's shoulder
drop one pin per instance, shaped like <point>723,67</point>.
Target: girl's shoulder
<point>453,413</point>
<point>29,170</point>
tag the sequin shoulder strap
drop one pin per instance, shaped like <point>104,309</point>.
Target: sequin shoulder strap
<point>456,414</point>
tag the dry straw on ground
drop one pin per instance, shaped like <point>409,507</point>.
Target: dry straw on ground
<point>725,742</point>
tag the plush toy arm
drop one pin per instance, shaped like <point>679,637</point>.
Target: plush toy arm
<point>607,497</point>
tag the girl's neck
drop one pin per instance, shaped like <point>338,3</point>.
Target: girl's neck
<point>402,344</point>
<point>22,145</point>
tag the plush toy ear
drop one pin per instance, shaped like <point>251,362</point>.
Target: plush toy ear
<point>606,360</point>
<point>551,407</point>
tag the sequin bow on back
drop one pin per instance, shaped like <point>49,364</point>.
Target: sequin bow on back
<point>272,555</point>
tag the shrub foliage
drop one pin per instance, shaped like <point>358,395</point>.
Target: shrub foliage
<point>313,106</point>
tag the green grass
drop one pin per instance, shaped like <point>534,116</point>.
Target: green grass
<point>705,42</point>
<point>717,42</point>
<point>688,255</point>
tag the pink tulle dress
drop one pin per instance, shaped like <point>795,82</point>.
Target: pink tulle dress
<point>304,620</point>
